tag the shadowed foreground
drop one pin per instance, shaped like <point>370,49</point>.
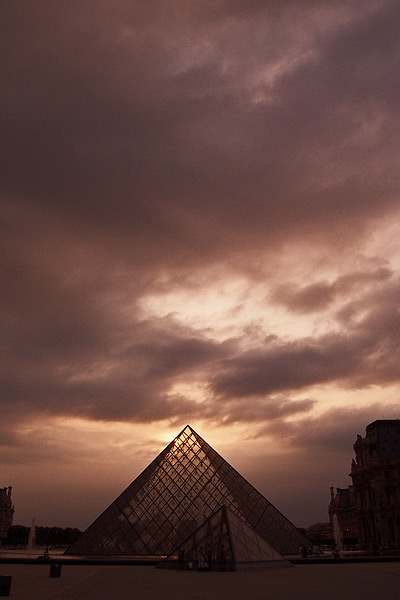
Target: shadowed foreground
<point>364,581</point>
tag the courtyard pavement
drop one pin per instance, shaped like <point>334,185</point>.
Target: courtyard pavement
<point>367,581</point>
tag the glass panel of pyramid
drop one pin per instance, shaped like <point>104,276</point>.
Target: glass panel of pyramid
<point>185,484</point>
<point>224,542</point>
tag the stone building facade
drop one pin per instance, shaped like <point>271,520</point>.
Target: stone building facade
<point>320,534</point>
<point>375,492</point>
<point>6,511</point>
<point>343,519</point>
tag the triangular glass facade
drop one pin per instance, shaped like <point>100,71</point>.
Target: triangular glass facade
<point>184,485</point>
<point>224,542</point>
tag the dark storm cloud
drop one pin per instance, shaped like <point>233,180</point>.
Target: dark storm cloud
<point>143,141</point>
<point>268,409</point>
<point>92,363</point>
<point>78,364</point>
<point>139,121</point>
<point>334,430</point>
<point>320,295</point>
<point>70,347</point>
<point>363,354</point>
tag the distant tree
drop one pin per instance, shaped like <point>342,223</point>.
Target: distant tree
<point>56,536</point>
<point>45,536</point>
<point>17,535</point>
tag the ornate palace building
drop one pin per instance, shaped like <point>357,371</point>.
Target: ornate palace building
<point>375,491</point>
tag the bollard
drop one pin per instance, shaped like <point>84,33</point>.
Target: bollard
<point>55,570</point>
<point>5,585</point>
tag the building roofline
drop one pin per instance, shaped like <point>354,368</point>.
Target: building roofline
<point>383,423</point>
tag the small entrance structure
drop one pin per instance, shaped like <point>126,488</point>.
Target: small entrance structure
<point>224,543</point>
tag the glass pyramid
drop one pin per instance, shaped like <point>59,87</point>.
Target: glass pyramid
<point>184,485</point>
<point>230,543</point>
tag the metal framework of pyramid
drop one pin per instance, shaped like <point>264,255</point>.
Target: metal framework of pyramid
<point>229,542</point>
<point>184,485</point>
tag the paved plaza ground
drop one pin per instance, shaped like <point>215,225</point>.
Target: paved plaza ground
<point>368,581</point>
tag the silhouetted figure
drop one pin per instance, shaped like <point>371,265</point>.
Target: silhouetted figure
<point>222,558</point>
<point>303,550</point>
<point>191,561</point>
<point>209,557</point>
<point>201,558</point>
<point>315,551</point>
<point>181,559</point>
<point>336,552</point>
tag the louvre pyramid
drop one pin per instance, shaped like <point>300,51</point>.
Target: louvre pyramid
<point>185,484</point>
<point>243,548</point>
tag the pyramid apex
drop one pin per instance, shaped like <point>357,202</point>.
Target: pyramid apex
<point>186,429</point>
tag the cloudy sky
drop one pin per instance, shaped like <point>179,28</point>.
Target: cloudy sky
<point>200,224</point>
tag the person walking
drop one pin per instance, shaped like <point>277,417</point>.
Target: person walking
<point>222,558</point>
<point>181,559</point>
<point>209,557</point>
<point>201,558</point>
